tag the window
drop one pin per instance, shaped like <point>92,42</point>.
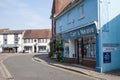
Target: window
<point>69,18</point>
<point>45,40</point>
<point>39,40</point>
<point>66,48</point>
<point>60,24</point>
<point>5,38</point>
<point>42,40</point>
<point>31,40</point>
<point>25,40</point>
<point>81,12</point>
<point>16,39</point>
<point>42,48</point>
<point>89,46</point>
<point>28,48</point>
<point>28,40</point>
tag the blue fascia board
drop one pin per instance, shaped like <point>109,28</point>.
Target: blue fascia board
<point>84,31</point>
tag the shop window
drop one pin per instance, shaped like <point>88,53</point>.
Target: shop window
<point>66,48</point>
<point>42,48</point>
<point>89,46</point>
<point>28,48</point>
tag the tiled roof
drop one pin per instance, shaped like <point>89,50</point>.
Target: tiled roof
<point>3,30</point>
<point>12,32</point>
<point>68,6</point>
<point>36,34</point>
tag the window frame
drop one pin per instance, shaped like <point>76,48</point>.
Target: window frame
<point>81,12</point>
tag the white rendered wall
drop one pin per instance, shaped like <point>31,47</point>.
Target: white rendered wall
<point>1,42</point>
<point>10,39</point>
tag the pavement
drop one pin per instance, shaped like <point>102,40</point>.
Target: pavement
<point>113,75</point>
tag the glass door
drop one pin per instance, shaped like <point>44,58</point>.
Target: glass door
<point>80,50</point>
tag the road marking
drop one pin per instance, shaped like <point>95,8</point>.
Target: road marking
<point>6,72</point>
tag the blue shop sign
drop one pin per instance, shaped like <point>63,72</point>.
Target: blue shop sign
<point>84,31</point>
<point>107,57</point>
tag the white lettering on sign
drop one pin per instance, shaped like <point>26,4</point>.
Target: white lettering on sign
<point>109,49</point>
<point>87,31</point>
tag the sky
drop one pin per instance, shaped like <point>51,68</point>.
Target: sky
<point>25,14</point>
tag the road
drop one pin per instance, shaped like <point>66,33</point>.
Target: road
<point>22,67</point>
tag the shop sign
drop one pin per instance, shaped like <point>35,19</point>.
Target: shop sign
<point>81,32</point>
<point>106,57</point>
<point>109,49</point>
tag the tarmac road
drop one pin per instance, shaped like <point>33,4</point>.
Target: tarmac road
<point>22,67</point>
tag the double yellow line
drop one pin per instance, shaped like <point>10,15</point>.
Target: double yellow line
<point>6,74</point>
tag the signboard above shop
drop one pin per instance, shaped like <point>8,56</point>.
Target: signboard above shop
<point>84,31</point>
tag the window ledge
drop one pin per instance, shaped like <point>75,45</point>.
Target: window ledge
<point>81,18</point>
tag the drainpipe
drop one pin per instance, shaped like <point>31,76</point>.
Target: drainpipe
<point>100,59</point>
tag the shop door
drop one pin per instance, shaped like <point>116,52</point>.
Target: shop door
<point>80,50</point>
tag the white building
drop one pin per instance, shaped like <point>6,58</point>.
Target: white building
<point>37,40</point>
<point>25,41</point>
<point>11,41</point>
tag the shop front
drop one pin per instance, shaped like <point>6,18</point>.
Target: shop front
<point>9,48</point>
<point>80,46</point>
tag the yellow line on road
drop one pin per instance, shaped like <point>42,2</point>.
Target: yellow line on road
<point>6,72</point>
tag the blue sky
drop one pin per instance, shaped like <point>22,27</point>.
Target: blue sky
<point>25,14</point>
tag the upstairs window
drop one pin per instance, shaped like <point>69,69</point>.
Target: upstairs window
<point>5,38</point>
<point>16,38</point>
<point>39,40</point>
<point>45,40</point>
<point>81,12</point>
<point>69,18</point>
<point>60,24</point>
<point>25,40</point>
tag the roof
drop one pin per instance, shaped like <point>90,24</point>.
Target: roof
<point>12,32</point>
<point>36,34</point>
<point>3,30</point>
<point>68,7</point>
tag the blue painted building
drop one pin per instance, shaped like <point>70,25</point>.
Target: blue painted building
<point>89,30</point>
